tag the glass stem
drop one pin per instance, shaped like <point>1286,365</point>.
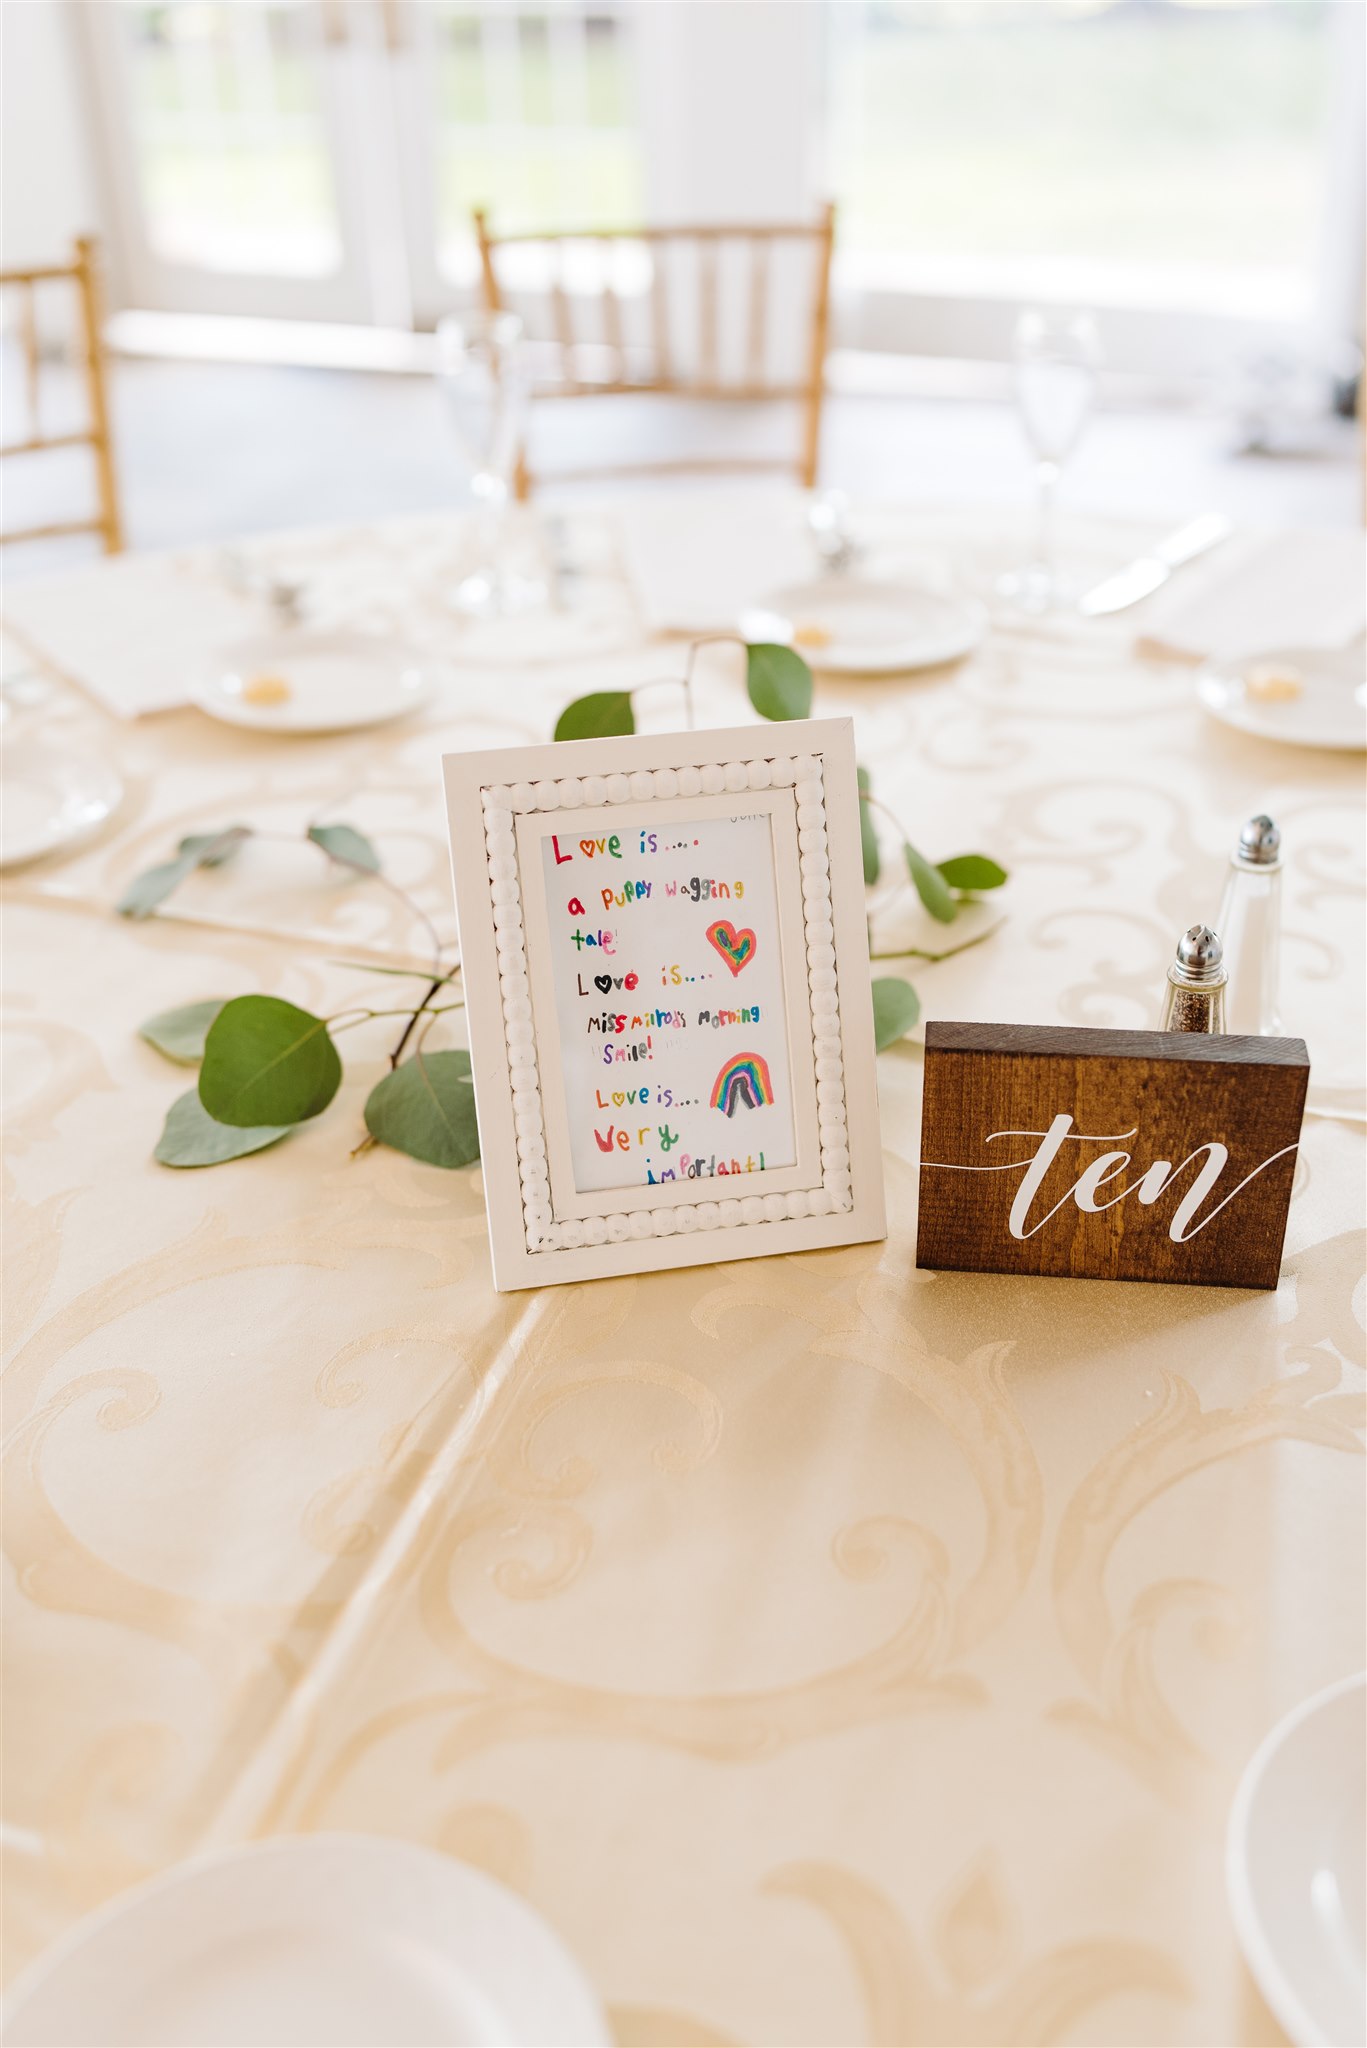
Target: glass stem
<point>491,499</point>
<point>1046,477</point>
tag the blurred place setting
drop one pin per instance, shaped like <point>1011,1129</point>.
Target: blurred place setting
<point>728,1645</point>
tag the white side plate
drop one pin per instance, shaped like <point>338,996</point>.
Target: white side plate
<point>849,627</point>
<point>49,798</point>
<point>1331,710</point>
<point>341,1940</point>
<point>335,682</point>
<point>1294,1867</point>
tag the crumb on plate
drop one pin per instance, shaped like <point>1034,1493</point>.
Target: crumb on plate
<point>265,690</point>
<point>810,635</point>
<point>1274,682</point>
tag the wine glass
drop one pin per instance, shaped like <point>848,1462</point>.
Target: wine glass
<point>1057,355</point>
<point>480,365</point>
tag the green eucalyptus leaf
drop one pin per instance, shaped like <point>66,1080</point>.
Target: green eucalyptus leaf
<point>211,849</point>
<point>868,837</point>
<point>180,1034</point>
<point>198,850</point>
<point>972,871</point>
<point>779,681</point>
<point>267,1062</point>
<point>191,1137</point>
<point>931,886</point>
<point>601,715</point>
<point>426,1108</point>
<point>154,885</point>
<point>896,1006</point>
<point>345,844</point>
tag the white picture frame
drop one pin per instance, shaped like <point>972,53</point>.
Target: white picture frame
<point>515,816</point>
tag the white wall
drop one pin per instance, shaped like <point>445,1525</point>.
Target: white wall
<point>49,191</point>
<point>731,86</point>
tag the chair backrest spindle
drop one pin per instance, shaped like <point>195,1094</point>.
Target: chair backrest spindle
<point>759,307</point>
<point>659,313</point>
<point>28,331</point>
<point>708,367</point>
<point>704,254</point>
<point>564,319</point>
<point>493,297</point>
<point>612,310</point>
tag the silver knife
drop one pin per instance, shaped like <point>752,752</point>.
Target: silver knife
<point>1143,577</point>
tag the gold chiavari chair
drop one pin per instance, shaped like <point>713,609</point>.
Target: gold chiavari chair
<point>658,364</point>
<point>82,273</point>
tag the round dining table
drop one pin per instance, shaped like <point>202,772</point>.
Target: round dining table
<point>830,1650</point>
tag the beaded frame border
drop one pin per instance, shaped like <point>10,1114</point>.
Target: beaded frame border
<point>837,1026</point>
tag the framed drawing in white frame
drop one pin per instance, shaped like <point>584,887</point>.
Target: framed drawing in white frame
<point>668,996</point>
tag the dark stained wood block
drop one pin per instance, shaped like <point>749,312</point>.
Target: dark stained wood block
<point>1108,1155</point>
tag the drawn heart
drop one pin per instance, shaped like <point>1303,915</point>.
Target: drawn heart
<point>603,984</point>
<point>737,949</point>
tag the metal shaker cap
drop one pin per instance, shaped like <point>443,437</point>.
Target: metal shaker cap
<point>1260,843</point>
<point>1200,953</point>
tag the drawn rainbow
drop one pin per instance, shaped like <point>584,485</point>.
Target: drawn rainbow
<point>744,1078</point>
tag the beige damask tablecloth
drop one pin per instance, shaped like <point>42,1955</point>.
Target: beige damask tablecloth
<point>832,1651</point>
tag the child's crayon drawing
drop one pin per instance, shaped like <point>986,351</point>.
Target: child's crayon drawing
<point>668,974</point>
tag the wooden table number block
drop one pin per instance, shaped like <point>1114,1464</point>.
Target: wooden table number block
<point>1108,1155</point>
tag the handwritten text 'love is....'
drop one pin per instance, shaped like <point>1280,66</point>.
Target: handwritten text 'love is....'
<point>1099,1173</point>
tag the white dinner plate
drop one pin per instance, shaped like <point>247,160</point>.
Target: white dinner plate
<point>320,1939</point>
<point>1294,1866</point>
<point>333,682</point>
<point>50,798</point>
<point>841,624</point>
<point>1330,711</point>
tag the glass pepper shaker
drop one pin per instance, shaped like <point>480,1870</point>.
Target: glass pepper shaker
<point>1195,998</point>
<point>1251,922</point>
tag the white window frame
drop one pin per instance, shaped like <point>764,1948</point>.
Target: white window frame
<point>701,71</point>
<point>361,289</point>
<point>876,310</point>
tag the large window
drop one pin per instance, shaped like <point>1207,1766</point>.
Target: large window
<point>322,157</point>
<point>534,117</point>
<point>1151,152</point>
<point>229,137</point>
<point>1190,168</point>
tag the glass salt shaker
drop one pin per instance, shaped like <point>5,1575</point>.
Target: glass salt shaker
<point>1251,921</point>
<point>1195,998</point>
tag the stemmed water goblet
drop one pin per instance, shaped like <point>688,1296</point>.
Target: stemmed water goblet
<point>481,368</point>
<point>1057,356</point>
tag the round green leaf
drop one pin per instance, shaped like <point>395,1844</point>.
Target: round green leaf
<point>972,871</point>
<point>345,844</point>
<point>180,1034</point>
<point>896,1006</point>
<point>600,715</point>
<point>868,837</point>
<point>190,1136</point>
<point>266,1062</point>
<point>426,1108</point>
<point>931,886</point>
<point>779,681</point>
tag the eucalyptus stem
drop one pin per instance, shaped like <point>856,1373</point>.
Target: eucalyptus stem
<point>400,973</point>
<point>357,867</point>
<point>350,1018</point>
<point>704,640</point>
<point>686,679</point>
<point>410,903</point>
<point>877,804</point>
<point>918,953</point>
<point>407,1031</point>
